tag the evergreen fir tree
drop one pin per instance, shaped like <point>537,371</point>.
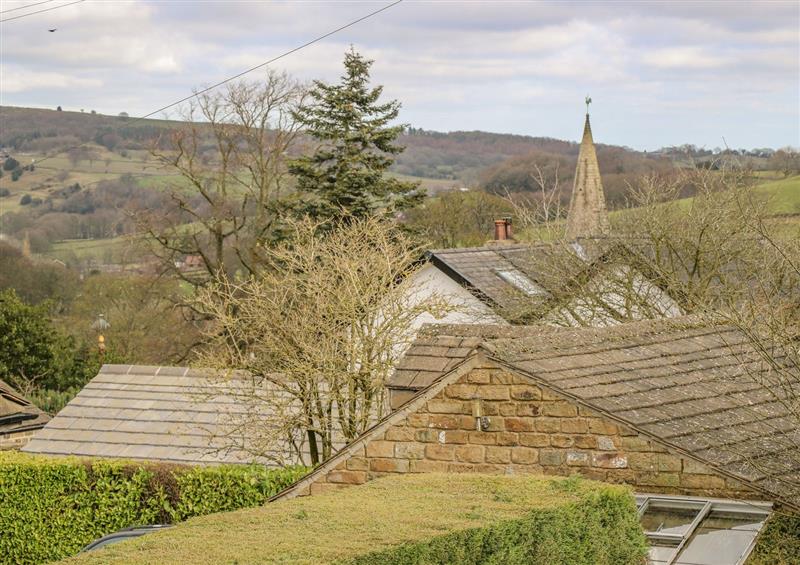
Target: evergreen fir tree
<point>346,175</point>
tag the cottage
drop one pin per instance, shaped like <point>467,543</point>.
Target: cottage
<point>19,418</point>
<point>669,406</point>
<point>601,280</point>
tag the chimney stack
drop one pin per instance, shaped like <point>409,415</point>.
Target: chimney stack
<point>502,231</point>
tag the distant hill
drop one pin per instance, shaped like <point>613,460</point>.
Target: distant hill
<point>460,157</point>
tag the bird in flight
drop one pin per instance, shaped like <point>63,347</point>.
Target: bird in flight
<point>52,30</point>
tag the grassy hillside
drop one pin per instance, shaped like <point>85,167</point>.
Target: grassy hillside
<point>429,518</point>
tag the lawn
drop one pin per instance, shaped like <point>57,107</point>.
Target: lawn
<point>428,518</point>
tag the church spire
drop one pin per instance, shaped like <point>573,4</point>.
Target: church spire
<point>587,215</point>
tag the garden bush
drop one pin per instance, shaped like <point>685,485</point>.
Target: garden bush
<point>421,519</point>
<point>50,508</point>
<point>779,542</point>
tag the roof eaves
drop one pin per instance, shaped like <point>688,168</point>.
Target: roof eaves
<point>460,279</point>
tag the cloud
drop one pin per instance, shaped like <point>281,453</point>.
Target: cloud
<point>652,67</point>
<point>688,57</point>
<point>16,80</point>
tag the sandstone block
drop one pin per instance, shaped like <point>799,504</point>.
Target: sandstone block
<point>605,443</point>
<point>524,456</point>
<point>498,454</point>
<point>439,452</point>
<point>388,465</point>
<point>447,407</point>
<point>519,424</point>
<point>525,392</point>
<point>380,448</point>
<point>574,426</point>
<point>507,438</point>
<point>483,438</point>
<point>609,460</point>
<point>547,425</point>
<point>358,464</point>
<point>551,457</point>
<point>559,409</point>
<point>534,440</point>
<point>425,466</point>
<point>397,433</point>
<point>470,453</point>
<point>561,440</point>
<point>409,450</point>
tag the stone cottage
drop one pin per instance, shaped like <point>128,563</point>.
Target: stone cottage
<point>670,406</point>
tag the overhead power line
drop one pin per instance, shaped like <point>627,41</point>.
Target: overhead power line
<point>26,6</point>
<point>239,75</point>
<point>264,64</point>
<point>39,11</point>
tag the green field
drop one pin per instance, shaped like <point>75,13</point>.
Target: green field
<point>113,250</point>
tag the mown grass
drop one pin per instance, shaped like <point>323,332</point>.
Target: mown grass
<point>393,520</point>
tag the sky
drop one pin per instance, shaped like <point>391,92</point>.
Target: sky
<point>659,73</point>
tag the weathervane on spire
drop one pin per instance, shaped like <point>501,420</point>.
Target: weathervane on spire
<point>588,101</point>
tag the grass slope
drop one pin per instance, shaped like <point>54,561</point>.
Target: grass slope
<point>410,519</point>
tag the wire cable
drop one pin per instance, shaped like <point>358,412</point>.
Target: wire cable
<point>26,6</point>
<point>40,11</point>
<point>281,56</point>
<point>239,75</point>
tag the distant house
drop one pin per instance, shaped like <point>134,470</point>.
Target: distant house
<point>506,281</point>
<point>671,406</point>
<point>19,419</point>
<point>172,414</point>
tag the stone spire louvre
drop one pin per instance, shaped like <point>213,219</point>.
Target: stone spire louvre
<point>587,215</point>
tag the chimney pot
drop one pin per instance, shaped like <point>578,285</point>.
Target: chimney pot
<point>500,230</point>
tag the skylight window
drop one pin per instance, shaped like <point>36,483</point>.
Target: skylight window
<point>520,282</point>
<point>697,531</point>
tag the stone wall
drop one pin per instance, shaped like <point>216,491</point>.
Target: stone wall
<point>15,440</point>
<point>530,430</point>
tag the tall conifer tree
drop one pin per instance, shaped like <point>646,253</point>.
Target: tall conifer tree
<point>346,175</point>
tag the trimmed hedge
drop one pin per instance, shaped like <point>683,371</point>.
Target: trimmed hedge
<point>423,519</point>
<point>779,542</point>
<point>50,508</point>
<point>602,529</point>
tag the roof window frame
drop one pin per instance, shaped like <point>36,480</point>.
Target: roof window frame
<point>706,507</point>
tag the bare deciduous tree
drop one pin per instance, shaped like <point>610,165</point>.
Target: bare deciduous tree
<point>318,331</point>
<point>230,161</point>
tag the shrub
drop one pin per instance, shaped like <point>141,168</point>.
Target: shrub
<point>4,192</point>
<point>52,401</point>
<point>25,200</point>
<point>51,507</point>
<point>779,543</point>
<point>10,164</point>
<point>15,174</point>
<point>420,519</point>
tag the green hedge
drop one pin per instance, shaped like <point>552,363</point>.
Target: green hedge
<point>603,529</point>
<point>425,519</point>
<point>779,542</point>
<point>52,507</point>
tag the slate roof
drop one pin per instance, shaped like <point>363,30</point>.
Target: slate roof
<point>478,268</point>
<point>171,414</point>
<point>692,386</point>
<point>17,414</point>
